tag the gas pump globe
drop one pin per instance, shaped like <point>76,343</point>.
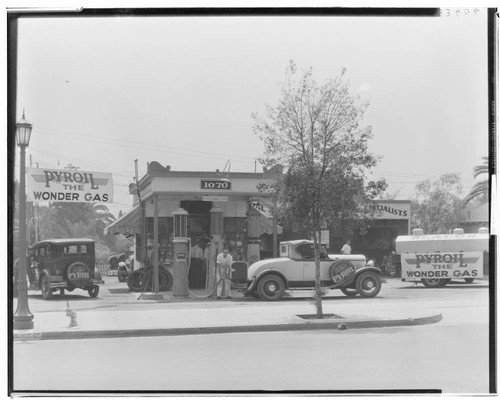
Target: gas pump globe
<point>181,253</point>
<point>216,221</point>
<point>180,223</point>
<point>253,234</point>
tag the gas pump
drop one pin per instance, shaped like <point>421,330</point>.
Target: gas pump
<point>181,253</point>
<point>253,230</point>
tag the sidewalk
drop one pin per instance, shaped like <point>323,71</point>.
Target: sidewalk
<point>224,316</point>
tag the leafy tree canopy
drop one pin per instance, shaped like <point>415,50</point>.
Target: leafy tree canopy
<point>315,133</point>
<point>437,206</point>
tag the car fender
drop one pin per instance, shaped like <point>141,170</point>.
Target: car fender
<point>367,268</point>
<point>255,282</point>
<point>358,272</point>
<point>43,272</point>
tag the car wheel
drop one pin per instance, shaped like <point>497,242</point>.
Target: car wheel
<point>271,287</point>
<point>469,280</point>
<point>368,284</point>
<point>134,281</point>
<point>349,291</point>
<point>46,290</point>
<point>166,280</point>
<point>435,283</point>
<point>93,291</point>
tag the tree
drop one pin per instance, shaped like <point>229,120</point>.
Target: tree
<point>480,190</point>
<point>437,206</point>
<point>314,133</point>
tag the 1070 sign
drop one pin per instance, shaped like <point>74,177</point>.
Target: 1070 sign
<point>216,184</point>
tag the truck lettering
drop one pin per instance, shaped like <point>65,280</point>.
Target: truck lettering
<point>427,274</point>
<point>456,258</point>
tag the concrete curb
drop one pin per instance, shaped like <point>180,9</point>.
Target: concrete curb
<point>75,333</point>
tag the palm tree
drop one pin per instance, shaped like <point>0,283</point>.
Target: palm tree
<point>480,189</point>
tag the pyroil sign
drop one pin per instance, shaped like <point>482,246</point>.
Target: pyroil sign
<point>69,186</point>
<point>452,265</point>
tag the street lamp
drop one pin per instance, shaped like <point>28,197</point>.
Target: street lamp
<point>23,319</point>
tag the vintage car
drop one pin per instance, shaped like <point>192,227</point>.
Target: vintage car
<point>295,269</point>
<point>64,264</point>
<point>118,266</point>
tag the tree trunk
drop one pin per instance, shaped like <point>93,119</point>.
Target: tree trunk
<point>317,286</point>
<point>275,227</point>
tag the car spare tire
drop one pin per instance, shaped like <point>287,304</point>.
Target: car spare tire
<point>78,274</point>
<point>342,273</point>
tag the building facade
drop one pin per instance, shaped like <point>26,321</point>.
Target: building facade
<point>224,208</point>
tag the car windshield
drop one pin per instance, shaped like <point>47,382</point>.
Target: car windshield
<point>306,251</point>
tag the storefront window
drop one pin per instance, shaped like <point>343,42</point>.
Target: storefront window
<point>379,240</point>
<point>165,237</point>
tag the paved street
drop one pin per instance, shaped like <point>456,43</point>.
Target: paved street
<point>446,357</point>
<point>451,355</point>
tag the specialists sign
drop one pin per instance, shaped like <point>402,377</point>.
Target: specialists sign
<point>451,265</point>
<point>69,186</point>
<point>390,210</point>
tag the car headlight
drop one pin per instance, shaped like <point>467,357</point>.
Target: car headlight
<point>370,263</point>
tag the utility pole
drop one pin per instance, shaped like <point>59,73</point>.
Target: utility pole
<point>142,229</point>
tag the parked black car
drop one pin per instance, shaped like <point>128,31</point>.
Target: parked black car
<point>64,264</point>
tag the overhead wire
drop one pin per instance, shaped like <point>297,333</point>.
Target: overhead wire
<point>147,146</point>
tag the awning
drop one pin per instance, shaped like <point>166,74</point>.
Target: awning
<point>129,224</point>
<point>266,224</point>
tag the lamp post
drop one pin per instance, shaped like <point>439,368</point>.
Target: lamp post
<point>23,319</point>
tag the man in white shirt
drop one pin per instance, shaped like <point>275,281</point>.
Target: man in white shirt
<point>347,248</point>
<point>223,275</point>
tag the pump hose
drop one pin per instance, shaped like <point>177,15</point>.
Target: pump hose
<point>145,286</point>
<point>136,275</point>
<point>214,289</point>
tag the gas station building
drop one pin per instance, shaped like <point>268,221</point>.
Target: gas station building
<point>230,211</point>
<point>227,209</point>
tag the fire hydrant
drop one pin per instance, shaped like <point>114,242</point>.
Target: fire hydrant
<point>73,322</point>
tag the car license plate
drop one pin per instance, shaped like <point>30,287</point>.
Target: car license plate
<point>112,272</point>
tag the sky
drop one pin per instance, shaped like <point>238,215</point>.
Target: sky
<point>104,92</point>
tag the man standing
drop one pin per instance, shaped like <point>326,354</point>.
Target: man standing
<point>223,275</point>
<point>347,248</point>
